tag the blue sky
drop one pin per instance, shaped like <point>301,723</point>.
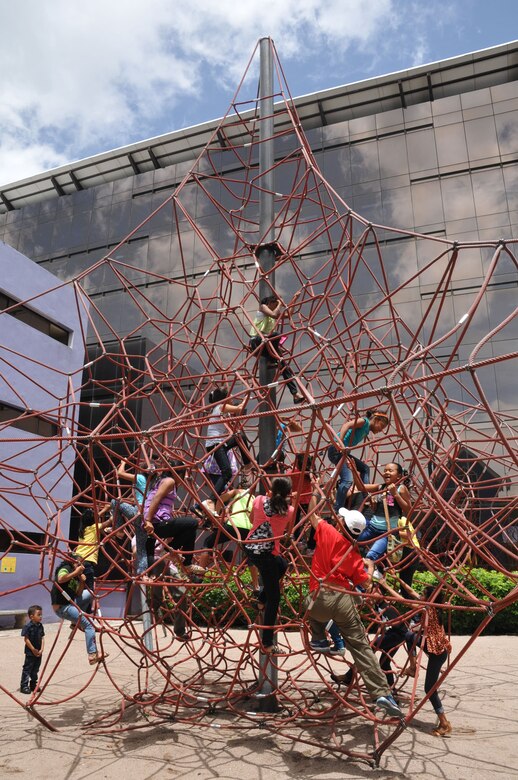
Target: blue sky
<point>78,80</point>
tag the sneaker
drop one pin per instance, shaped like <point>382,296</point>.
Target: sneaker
<point>183,637</point>
<point>343,679</point>
<point>337,649</point>
<point>320,645</point>
<point>389,705</point>
<point>25,690</point>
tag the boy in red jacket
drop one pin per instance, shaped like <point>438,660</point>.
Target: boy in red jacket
<point>336,567</point>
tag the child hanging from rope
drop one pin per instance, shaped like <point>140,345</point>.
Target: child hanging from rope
<point>87,549</point>
<point>436,646</point>
<point>218,442</point>
<point>263,334</point>
<point>271,517</point>
<point>352,433</point>
<point>287,427</point>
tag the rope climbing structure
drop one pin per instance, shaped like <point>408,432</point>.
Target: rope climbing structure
<point>370,320</point>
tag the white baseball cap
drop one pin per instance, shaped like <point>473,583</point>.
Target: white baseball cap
<point>354,520</point>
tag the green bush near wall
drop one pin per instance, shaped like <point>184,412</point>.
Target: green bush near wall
<point>479,582</point>
<point>216,608</point>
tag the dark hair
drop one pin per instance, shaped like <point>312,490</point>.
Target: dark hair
<point>87,519</point>
<point>218,394</point>
<point>176,467</point>
<point>280,490</point>
<point>402,473</point>
<point>299,462</point>
<point>34,608</point>
<point>269,299</point>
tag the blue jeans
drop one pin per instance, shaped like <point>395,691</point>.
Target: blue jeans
<point>336,635</point>
<point>124,511</point>
<point>379,548</point>
<point>345,479</point>
<point>72,613</point>
<point>128,512</point>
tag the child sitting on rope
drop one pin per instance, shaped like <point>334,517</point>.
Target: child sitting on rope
<point>263,334</point>
<point>162,521</point>
<point>390,511</point>
<point>70,600</point>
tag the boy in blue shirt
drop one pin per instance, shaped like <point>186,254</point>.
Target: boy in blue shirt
<point>34,636</point>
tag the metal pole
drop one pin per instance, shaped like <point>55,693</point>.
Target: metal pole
<point>146,619</point>
<point>266,256</point>
<point>266,252</point>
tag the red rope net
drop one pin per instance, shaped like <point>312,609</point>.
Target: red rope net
<point>373,319</point>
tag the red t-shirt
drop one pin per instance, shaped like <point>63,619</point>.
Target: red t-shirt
<point>278,522</point>
<point>335,560</point>
<point>301,484</point>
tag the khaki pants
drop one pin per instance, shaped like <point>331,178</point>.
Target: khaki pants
<point>340,607</point>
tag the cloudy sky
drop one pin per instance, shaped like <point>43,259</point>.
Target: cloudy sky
<point>78,79</point>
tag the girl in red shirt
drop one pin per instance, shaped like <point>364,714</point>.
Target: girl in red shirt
<point>271,516</point>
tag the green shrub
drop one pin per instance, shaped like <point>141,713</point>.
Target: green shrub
<point>485,584</point>
<point>216,608</point>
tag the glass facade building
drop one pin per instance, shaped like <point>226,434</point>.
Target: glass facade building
<point>433,150</point>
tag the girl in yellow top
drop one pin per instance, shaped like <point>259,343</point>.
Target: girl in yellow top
<point>88,543</point>
<point>264,333</point>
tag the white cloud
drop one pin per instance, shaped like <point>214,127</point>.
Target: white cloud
<point>83,78</point>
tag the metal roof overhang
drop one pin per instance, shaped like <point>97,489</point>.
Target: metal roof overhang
<point>465,73</point>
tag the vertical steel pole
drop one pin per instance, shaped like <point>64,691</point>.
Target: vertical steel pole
<point>266,253</point>
<point>146,619</point>
<point>266,257</point>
